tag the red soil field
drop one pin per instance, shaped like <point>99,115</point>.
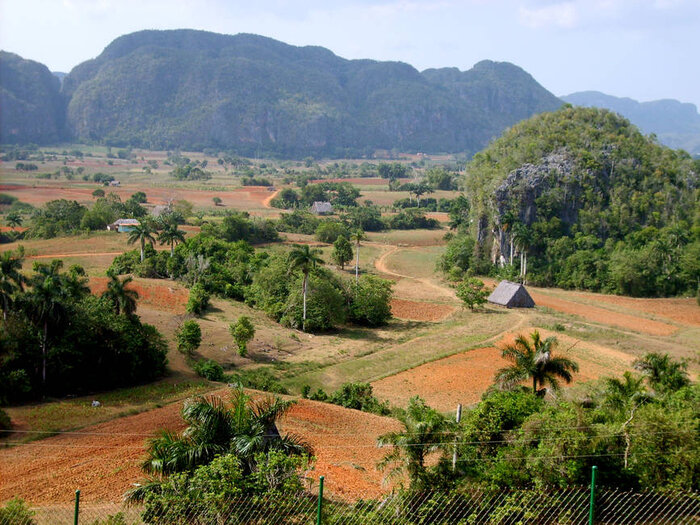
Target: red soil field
<point>162,295</point>
<point>444,383</point>
<point>417,311</point>
<point>604,316</point>
<point>103,460</point>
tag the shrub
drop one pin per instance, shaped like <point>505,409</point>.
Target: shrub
<point>189,337</point>
<point>472,292</point>
<point>5,423</point>
<point>342,251</point>
<point>359,396</point>
<point>258,379</point>
<point>198,300</point>
<point>210,370</point>
<point>16,512</point>
<point>329,231</point>
<point>242,331</point>
<point>325,305</point>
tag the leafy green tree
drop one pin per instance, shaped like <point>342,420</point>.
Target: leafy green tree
<point>242,426</point>
<point>472,292</point>
<point>620,394</point>
<point>532,359</point>
<point>326,304</point>
<point>425,431</point>
<point>189,337</point>
<point>142,233</point>
<point>11,278</point>
<point>330,231</point>
<point>662,372</point>
<point>304,259</point>
<point>242,332</point>
<point>440,179</point>
<point>139,197</point>
<point>357,237</point>
<point>370,301</point>
<point>342,251</point>
<point>122,298</point>
<point>198,300</point>
<point>217,201</point>
<point>171,235</point>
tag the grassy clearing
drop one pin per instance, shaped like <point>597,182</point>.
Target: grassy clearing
<point>418,263</point>
<point>72,414</point>
<point>409,237</point>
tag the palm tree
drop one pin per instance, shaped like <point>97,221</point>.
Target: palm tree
<point>305,259</point>
<point>13,219</point>
<point>507,222</point>
<point>171,235</point>
<point>522,235</point>
<point>242,426</point>
<point>47,297</point>
<point>425,431</point>
<point>420,189</point>
<point>358,236</point>
<point>11,278</point>
<point>123,298</point>
<point>532,358</point>
<point>144,234</point>
<point>620,393</point>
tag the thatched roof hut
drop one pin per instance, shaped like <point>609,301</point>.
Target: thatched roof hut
<point>511,295</point>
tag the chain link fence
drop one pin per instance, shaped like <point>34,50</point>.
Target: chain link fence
<point>473,506</point>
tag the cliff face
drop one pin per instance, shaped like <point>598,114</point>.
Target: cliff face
<point>255,95</point>
<point>32,107</point>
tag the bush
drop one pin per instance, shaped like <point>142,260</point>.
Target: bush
<point>16,512</point>
<point>258,379</point>
<point>198,300</point>
<point>5,422</point>
<point>189,337</point>
<point>210,370</point>
<point>329,231</point>
<point>359,396</point>
<point>472,292</point>
<point>370,301</point>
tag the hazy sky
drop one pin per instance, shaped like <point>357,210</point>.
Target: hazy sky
<point>644,49</point>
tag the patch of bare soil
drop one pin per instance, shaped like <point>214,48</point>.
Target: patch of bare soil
<point>419,311</point>
<point>162,295</point>
<point>683,310</point>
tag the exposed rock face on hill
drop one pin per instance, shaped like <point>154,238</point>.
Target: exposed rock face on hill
<point>30,103</point>
<point>254,95</point>
<point>676,124</point>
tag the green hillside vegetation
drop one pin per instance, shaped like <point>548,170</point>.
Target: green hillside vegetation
<point>257,96</point>
<point>585,201</point>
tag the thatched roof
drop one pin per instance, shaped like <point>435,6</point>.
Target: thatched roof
<point>512,295</point>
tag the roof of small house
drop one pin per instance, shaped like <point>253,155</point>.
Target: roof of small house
<point>512,295</point>
<point>126,222</point>
<point>322,207</point>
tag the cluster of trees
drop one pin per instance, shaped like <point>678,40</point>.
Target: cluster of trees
<point>339,194</point>
<point>57,338</point>
<point>640,429</point>
<point>579,198</point>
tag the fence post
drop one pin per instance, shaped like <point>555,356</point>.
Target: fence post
<point>591,508</point>
<point>454,452</point>
<point>320,500</point>
<point>77,507</point>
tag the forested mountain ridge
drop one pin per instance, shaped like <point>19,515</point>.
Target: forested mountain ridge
<point>195,89</point>
<point>676,124</point>
<point>590,201</point>
<point>31,105</point>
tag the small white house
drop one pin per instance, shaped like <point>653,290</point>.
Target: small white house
<point>123,225</point>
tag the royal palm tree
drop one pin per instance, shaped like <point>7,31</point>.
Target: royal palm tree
<point>243,426</point>
<point>532,359</point>
<point>425,431</point>
<point>621,393</point>
<point>123,298</point>
<point>305,259</point>
<point>47,297</point>
<point>75,282</point>
<point>522,236</point>
<point>11,278</point>
<point>171,235</point>
<point>143,233</point>
<point>358,236</point>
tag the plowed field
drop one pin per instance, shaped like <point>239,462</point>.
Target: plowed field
<point>162,295</point>
<point>418,311</point>
<point>103,460</point>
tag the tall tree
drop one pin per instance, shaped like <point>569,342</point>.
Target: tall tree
<point>522,236</point>
<point>342,251</point>
<point>358,236</point>
<point>13,219</point>
<point>171,235</point>
<point>122,298</point>
<point>11,278</point>
<point>305,259</point>
<point>143,233</point>
<point>532,359</point>
<point>47,296</point>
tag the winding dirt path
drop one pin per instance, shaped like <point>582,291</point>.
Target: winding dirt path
<point>267,200</point>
